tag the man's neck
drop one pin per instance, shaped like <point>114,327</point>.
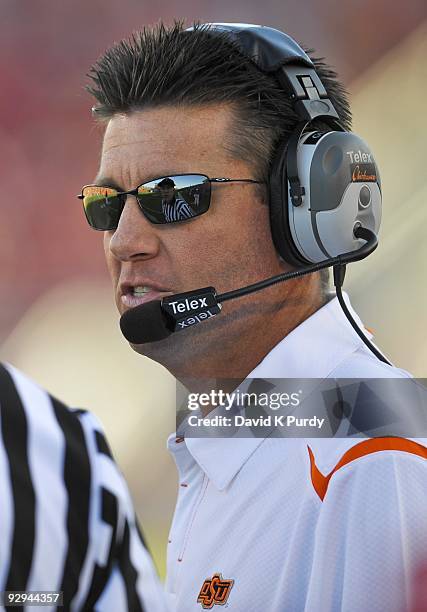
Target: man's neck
<point>244,351</point>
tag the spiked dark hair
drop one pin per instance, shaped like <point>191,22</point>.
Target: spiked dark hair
<point>168,66</point>
<point>163,66</point>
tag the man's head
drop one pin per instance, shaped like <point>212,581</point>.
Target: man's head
<point>167,189</point>
<point>225,118</point>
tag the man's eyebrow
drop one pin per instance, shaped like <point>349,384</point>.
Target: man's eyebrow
<point>107,182</point>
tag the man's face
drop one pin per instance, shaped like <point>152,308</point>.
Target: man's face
<point>167,192</point>
<point>227,247</point>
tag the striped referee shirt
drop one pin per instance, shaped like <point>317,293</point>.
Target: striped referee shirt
<point>67,522</point>
<point>177,210</point>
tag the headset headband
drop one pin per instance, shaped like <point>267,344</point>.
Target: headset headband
<point>274,52</point>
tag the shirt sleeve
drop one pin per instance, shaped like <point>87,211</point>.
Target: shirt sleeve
<point>371,536</point>
<point>120,573</point>
<point>67,520</point>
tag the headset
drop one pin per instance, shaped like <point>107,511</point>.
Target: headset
<point>324,186</point>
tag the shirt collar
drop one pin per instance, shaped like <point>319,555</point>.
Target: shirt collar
<point>312,350</point>
<point>315,347</point>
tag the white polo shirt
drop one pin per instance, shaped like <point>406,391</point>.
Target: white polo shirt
<point>300,525</point>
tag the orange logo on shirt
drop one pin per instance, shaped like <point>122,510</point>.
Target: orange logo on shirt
<point>214,591</point>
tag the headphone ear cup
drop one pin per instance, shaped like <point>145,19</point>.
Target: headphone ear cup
<point>279,211</point>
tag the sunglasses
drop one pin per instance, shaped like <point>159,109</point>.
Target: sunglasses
<point>167,199</point>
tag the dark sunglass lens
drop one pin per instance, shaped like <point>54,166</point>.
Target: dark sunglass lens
<point>102,207</point>
<point>171,199</point>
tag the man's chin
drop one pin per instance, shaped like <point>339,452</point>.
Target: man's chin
<point>158,351</point>
<point>138,348</point>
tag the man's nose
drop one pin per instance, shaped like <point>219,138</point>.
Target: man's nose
<point>135,237</point>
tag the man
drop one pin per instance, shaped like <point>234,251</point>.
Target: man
<point>261,524</point>
<point>67,522</point>
<point>174,207</point>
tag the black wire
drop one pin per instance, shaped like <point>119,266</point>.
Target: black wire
<point>338,280</point>
<point>365,250</point>
<point>231,295</point>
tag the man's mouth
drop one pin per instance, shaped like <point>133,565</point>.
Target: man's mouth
<point>141,294</point>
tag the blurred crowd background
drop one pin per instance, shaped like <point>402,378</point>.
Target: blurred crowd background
<point>57,319</point>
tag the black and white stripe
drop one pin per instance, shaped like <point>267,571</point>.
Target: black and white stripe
<point>177,210</point>
<point>67,522</point>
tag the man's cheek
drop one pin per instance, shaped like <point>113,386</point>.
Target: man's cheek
<point>106,243</point>
<point>112,264</point>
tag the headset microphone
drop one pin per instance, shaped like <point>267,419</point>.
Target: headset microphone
<point>145,323</point>
<point>157,319</point>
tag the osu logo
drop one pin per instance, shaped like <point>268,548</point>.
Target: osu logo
<point>214,590</point>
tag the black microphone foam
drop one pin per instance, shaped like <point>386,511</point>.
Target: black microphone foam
<point>144,323</point>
